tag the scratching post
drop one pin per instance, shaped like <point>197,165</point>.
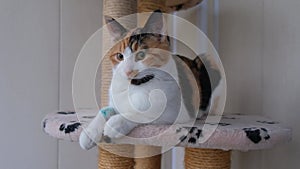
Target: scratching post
<point>206,159</point>
<point>148,6</point>
<point>150,157</point>
<point>107,158</point>
<point>151,5</point>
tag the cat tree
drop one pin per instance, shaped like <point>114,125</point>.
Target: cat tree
<point>116,9</point>
<point>235,132</point>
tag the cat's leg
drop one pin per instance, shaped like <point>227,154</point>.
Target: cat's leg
<point>118,126</point>
<point>92,134</point>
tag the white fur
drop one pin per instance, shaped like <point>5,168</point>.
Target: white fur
<point>138,104</point>
<point>93,133</point>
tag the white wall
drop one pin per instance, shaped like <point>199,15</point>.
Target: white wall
<point>241,44</point>
<point>259,47</point>
<point>29,43</point>
<point>281,77</point>
<point>79,20</point>
<point>39,43</point>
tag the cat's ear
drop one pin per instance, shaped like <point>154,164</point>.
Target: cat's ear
<point>155,23</point>
<point>115,29</point>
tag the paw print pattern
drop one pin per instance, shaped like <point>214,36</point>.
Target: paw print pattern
<point>257,134</point>
<point>220,124</point>
<point>193,135</point>
<point>68,128</point>
<point>267,122</point>
<point>66,112</point>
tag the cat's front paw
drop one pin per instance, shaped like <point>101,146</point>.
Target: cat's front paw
<point>117,126</point>
<point>86,141</point>
<point>92,134</point>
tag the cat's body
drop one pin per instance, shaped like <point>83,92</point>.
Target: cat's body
<point>132,97</point>
<point>149,84</point>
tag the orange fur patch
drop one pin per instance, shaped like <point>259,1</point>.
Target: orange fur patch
<point>157,51</point>
<point>117,48</point>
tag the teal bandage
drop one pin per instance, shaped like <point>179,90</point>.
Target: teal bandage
<point>107,112</point>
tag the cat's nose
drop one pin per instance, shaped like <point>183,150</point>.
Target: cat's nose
<point>131,73</point>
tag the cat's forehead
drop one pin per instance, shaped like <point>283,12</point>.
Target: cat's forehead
<point>132,32</point>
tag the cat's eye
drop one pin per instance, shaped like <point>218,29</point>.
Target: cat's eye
<point>119,57</point>
<point>140,55</point>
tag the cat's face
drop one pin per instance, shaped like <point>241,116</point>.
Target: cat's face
<point>140,48</point>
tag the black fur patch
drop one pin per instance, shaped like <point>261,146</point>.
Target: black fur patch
<point>201,75</point>
<point>69,128</point>
<point>139,36</point>
<point>142,80</point>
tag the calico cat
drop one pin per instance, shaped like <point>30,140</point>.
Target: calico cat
<point>142,62</point>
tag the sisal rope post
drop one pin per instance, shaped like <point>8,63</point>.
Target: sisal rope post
<point>107,153</point>
<point>148,6</point>
<point>109,160</point>
<point>151,5</point>
<point>206,159</point>
<point>147,157</point>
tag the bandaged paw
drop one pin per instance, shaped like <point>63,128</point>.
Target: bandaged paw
<point>117,126</point>
<point>92,134</point>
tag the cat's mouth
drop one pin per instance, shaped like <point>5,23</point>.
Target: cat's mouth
<point>142,80</point>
